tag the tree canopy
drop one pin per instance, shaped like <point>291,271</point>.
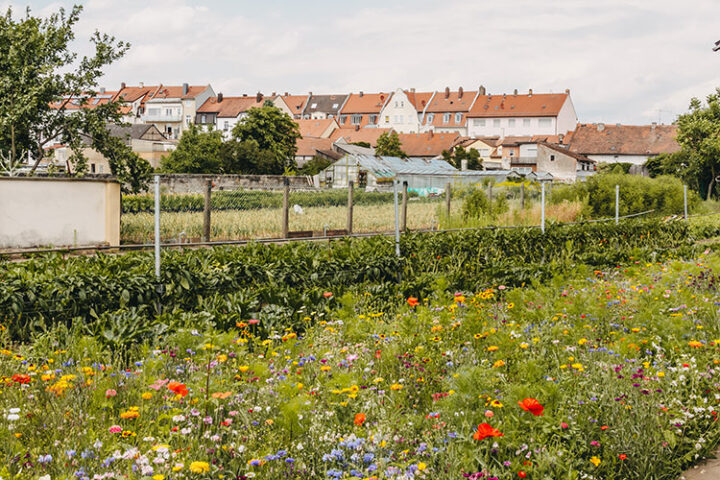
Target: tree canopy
<point>389,145</point>
<point>39,75</point>
<point>456,156</point>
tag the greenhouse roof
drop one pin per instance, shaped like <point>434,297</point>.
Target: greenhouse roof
<point>389,167</point>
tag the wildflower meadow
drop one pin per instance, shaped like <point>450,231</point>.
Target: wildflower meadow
<point>606,373</point>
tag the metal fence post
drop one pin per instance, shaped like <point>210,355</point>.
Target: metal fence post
<point>617,204</point>
<point>397,218</point>
<point>350,208</point>
<point>157,227</point>
<point>403,212</point>
<point>522,196</point>
<point>206,212</point>
<point>286,207</point>
<point>447,200</point>
<point>685,200</point>
<point>490,198</point>
<point>542,210</point>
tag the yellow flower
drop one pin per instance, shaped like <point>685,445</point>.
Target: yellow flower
<point>243,368</point>
<point>396,386</point>
<point>582,341</point>
<point>199,467</point>
<point>421,466</point>
<point>146,395</point>
<point>595,461</point>
<point>498,364</point>
<point>524,345</point>
<point>578,367</point>
<point>492,348</point>
<point>159,476</point>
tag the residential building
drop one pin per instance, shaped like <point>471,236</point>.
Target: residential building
<point>308,147</point>
<point>293,105</point>
<point>623,143</point>
<point>404,110</point>
<point>362,109</point>
<point>320,128</point>
<point>172,109</point>
<point>446,112</point>
<point>427,145</point>
<point>486,148</point>
<point>547,158</point>
<point>223,113</point>
<point>521,115</point>
<point>134,99</point>
<point>360,135</point>
<point>323,106</point>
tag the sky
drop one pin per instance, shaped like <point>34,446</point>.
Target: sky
<point>624,61</point>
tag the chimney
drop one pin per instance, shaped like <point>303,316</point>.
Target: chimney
<point>447,92</point>
<point>244,94</point>
<point>482,90</point>
<point>185,89</point>
<point>460,92</point>
<point>600,127</point>
<point>561,137</point>
<point>309,94</point>
<point>141,84</point>
<point>286,94</point>
<point>567,91</point>
<point>273,94</point>
<point>412,90</point>
<point>220,97</point>
<point>431,134</point>
<point>357,128</point>
<point>258,97</point>
<point>102,90</point>
<point>123,86</point>
<point>654,124</point>
<point>530,93</point>
<point>361,93</point>
<point>515,92</point>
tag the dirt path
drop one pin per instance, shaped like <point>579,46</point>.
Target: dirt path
<point>707,470</point>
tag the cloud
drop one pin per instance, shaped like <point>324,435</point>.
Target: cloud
<point>624,60</point>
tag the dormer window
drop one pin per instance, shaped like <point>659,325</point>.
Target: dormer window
<point>458,117</point>
<point>314,105</point>
<point>430,117</point>
<point>446,118</point>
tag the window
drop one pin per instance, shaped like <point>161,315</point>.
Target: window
<point>387,118</point>
<point>512,153</point>
<point>396,104</point>
<point>335,105</point>
<point>458,117</point>
<point>226,125</point>
<point>187,120</point>
<point>168,112</point>
<point>484,152</point>
<point>402,103</point>
<point>314,105</point>
<point>92,168</point>
<point>430,117</point>
<point>526,122</point>
<point>372,120</point>
<point>511,122</point>
<point>446,118</point>
<point>356,119</point>
<point>100,168</point>
<point>496,122</point>
<point>479,122</point>
<point>154,112</point>
<point>203,119</point>
<point>544,122</point>
<point>552,158</point>
<point>343,119</point>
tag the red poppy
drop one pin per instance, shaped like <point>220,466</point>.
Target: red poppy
<point>327,294</point>
<point>622,456</point>
<point>413,301</point>
<point>531,405</point>
<point>21,378</point>
<point>359,419</point>
<point>484,430</point>
<point>522,474</point>
<point>178,388</point>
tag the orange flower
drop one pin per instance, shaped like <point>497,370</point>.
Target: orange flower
<point>221,395</point>
<point>178,388</point>
<point>413,301</point>
<point>531,405</point>
<point>484,430</point>
<point>359,419</point>
<point>21,378</point>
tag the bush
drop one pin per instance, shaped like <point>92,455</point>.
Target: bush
<point>476,204</point>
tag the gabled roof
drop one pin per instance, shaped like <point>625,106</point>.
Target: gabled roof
<point>419,100</point>
<point>328,104</point>
<point>447,101</point>
<point>351,135</point>
<point>316,128</point>
<point>566,151</point>
<point>308,146</point>
<point>165,91</point>
<point>132,94</point>
<point>296,103</point>
<point>427,144</point>
<point>365,103</point>
<point>521,105</point>
<point>601,139</point>
<point>230,107</point>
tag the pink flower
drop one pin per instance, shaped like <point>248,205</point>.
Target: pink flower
<point>489,413</point>
<point>563,425</point>
<point>110,393</point>
<point>253,321</point>
<point>159,384</point>
<point>115,429</point>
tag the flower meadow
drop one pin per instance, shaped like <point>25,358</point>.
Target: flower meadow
<point>611,375</point>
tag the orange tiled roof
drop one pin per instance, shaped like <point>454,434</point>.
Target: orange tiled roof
<point>365,103</point>
<point>165,91</point>
<point>453,102</point>
<point>427,144</point>
<point>314,128</point>
<point>308,146</point>
<point>132,94</point>
<point>521,105</point>
<point>419,99</point>
<point>369,135</point>
<point>230,107</point>
<point>296,103</point>
<point>601,139</point>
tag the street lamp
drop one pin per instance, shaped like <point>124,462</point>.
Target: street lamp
<point>717,46</point>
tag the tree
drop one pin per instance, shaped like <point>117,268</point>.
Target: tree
<point>315,165</point>
<point>456,156</point>
<point>197,152</point>
<point>39,75</point>
<point>246,157</point>
<point>389,145</point>
<point>272,130</point>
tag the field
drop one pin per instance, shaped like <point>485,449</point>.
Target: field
<point>588,352</point>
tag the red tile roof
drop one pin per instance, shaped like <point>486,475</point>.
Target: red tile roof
<point>419,99</point>
<point>296,103</point>
<point>427,144</point>
<point>601,139</point>
<point>365,103</point>
<point>230,107</point>
<point>132,94</point>
<point>369,135</point>
<point>447,101</point>
<point>521,105</point>
<point>308,146</point>
<point>165,91</point>
<point>314,128</point>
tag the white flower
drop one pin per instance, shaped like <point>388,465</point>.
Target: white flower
<point>12,417</point>
<point>14,410</point>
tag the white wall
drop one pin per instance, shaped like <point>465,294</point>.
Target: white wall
<point>511,126</point>
<point>399,114</point>
<point>567,117</point>
<point>634,159</point>
<point>58,212</point>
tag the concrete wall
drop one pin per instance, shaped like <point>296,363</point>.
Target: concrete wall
<point>190,183</point>
<point>37,211</point>
<point>562,167</point>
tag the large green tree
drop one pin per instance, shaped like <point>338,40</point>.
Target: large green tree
<point>389,145</point>
<point>197,152</point>
<point>39,75</point>
<point>698,161</point>
<point>272,130</point>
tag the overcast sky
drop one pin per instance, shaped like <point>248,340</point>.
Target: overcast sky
<point>627,61</point>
